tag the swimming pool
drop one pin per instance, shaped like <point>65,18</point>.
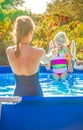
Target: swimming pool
<point>62,111</point>
<point>73,85</point>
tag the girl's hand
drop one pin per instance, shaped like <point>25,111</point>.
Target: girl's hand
<point>48,66</point>
<point>70,69</point>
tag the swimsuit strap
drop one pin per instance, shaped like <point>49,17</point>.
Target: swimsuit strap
<point>60,51</point>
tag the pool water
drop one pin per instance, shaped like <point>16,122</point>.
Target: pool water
<point>73,85</point>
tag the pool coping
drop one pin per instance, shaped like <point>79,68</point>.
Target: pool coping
<point>29,98</point>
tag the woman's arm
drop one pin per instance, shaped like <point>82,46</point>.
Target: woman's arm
<point>45,59</point>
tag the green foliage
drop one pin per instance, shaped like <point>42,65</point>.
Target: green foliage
<point>7,19</point>
<point>13,14</point>
<point>79,46</point>
<point>77,7</point>
<point>9,4</point>
<point>49,25</point>
<point>3,58</point>
<point>54,20</point>
<point>72,8</point>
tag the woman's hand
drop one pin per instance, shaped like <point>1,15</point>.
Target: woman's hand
<point>54,51</point>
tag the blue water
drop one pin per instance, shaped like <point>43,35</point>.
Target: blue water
<point>73,85</point>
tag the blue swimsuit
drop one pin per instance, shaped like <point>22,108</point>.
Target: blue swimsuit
<point>27,85</point>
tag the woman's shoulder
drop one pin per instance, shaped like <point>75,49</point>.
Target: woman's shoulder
<point>10,49</point>
<point>39,50</point>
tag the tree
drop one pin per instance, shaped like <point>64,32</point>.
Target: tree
<point>71,8</point>
<point>9,4</point>
<point>59,6</point>
<point>8,13</point>
<point>77,7</point>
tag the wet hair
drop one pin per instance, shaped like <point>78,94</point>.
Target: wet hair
<point>62,34</point>
<point>23,25</point>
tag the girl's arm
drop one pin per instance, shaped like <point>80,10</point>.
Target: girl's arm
<point>67,51</point>
<point>48,66</point>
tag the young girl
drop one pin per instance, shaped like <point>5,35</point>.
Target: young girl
<point>58,58</point>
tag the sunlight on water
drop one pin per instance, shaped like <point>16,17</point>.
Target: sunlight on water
<point>73,85</point>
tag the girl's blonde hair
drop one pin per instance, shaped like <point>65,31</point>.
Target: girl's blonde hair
<point>23,25</point>
<point>62,34</point>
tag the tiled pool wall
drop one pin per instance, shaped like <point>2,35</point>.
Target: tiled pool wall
<point>7,69</point>
<point>38,113</point>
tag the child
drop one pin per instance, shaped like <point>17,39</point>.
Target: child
<point>58,58</point>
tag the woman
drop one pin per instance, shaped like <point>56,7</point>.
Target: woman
<point>24,59</point>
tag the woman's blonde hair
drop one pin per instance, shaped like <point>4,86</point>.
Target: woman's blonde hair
<point>23,25</point>
<point>62,34</point>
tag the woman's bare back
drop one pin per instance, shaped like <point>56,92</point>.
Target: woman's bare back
<point>28,62</point>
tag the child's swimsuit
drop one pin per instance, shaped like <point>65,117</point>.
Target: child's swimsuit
<point>59,63</point>
<point>27,85</point>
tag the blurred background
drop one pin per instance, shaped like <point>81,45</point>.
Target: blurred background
<point>50,16</point>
